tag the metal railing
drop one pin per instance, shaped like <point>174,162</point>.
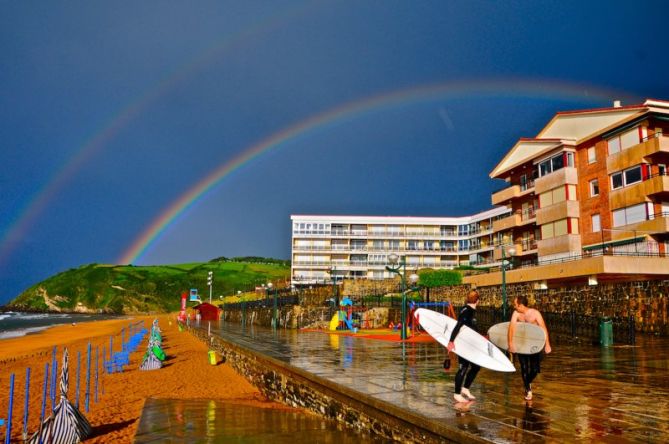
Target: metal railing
<point>568,325</point>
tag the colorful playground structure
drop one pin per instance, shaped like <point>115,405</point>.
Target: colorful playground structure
<point>349,317</point>
<point>352,318</point>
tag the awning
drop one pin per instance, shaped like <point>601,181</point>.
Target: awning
<point>614,243</point>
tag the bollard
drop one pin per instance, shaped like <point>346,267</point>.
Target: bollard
<point>605,332</point>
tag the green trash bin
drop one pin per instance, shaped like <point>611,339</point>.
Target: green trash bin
<point>213,360</point>
<point>605,332</point>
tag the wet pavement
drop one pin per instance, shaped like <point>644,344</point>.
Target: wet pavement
<point>584,393</point>
<point>198,420</point>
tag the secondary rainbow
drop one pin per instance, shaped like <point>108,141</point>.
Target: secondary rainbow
<point>351,110</point>
<point>35,205</point>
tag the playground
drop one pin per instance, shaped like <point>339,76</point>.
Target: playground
<point>357,321</point>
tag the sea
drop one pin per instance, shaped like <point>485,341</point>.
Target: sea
<point>15,324</point>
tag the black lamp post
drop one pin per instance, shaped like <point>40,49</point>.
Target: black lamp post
<point>398,266</point>
<point>505,263</point>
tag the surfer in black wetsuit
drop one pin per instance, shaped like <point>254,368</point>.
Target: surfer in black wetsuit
<point>467,371</point>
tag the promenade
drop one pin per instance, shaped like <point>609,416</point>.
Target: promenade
<point>584,393</point>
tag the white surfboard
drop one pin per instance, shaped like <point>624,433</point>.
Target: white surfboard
<point>528,339</point>
<point>468,344</point>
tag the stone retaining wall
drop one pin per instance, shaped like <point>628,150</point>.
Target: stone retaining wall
<point>646,301</point>
<point>281,382</point>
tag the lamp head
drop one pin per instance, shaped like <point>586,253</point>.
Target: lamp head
<point>393,258</point>
<point>414,278</point>
<point>270,285</point>
<point>511,251</point>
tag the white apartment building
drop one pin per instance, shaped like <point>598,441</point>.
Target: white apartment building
<point>328,248</point>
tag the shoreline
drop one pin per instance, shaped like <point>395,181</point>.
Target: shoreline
<point>121,396</point>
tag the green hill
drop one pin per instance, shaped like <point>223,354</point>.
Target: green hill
<point>158,288</point>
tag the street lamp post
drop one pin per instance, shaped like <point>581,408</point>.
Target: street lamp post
<point>511,252</point>
<point>210,281</point>
<point>397,264</point>
<point>274,317</point>
<point>335,298</point>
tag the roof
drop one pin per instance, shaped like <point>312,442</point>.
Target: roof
<point>523,151</point>
<point>572,127</point>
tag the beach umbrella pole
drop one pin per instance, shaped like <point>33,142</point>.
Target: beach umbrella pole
<point>88,378</point>
<point>78,375</point>
<point>46,381</point>
<point>25,405</point>
<point>9,411</point>
<point>97,365</point>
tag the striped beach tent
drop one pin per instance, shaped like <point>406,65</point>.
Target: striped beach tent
<point>66,425</point>
<point>151,361</point>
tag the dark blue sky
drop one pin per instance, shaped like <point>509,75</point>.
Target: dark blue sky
<point>110,111</point>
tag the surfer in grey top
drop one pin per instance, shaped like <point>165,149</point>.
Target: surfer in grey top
<point>467,370</point>
<point>530,365</point>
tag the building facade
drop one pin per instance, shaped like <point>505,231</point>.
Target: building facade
<point>585,200</point>
<point>331,248</point>
<point>589,197</point>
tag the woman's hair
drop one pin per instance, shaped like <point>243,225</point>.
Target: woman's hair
<point>473,297</point>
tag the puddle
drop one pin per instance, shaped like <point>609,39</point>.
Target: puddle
<point>209,421</point>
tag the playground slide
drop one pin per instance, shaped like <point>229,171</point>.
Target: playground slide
<point>334,322</point>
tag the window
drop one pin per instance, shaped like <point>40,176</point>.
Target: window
<point>556,162</point>
<point>627,177</point>
<point>557,195</point>
<point>592,155</point>
<point>559,228</point>
<point>630,215</point>
<point>596,223</point>
<point>662,170</point>
<point>594,188</point>
<point>623,141</point>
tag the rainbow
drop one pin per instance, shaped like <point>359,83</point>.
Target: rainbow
<point>485,88</point>
<point>38,202</point>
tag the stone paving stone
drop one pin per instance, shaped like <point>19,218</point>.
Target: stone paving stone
<point>584,392</point>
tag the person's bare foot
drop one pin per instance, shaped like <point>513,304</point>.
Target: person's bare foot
<point>459,398</point>
<point>467,393</point>
<point>528,395</point>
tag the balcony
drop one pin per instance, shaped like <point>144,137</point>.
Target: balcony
<point>566,175</point>
<point>559,244</point>
<point>507,223</point>
<point>503,196</point>
<point>656,186</point>
<point>656,223</point>
<point>636,154</point>
<point>558,211</point>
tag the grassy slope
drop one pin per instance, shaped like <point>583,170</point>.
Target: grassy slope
<point>122,288</point>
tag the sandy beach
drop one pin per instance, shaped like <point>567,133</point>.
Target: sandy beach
<point>187,374</point>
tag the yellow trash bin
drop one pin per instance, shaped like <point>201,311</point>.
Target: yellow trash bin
<point>212,357</point>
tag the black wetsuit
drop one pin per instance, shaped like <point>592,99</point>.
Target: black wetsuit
<point>530,367</point>
<point>467,371</point>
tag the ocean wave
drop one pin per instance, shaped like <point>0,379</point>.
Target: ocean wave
<point>43,315</point>
<point>21,332</point>
<point>4,316</point>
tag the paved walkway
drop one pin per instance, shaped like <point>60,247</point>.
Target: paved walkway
<point>584,393</point>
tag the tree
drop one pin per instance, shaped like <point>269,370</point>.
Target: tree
<point>438,278</point>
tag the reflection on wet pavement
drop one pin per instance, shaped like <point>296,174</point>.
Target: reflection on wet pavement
<point>209,421</point>
<point>584,393</point>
